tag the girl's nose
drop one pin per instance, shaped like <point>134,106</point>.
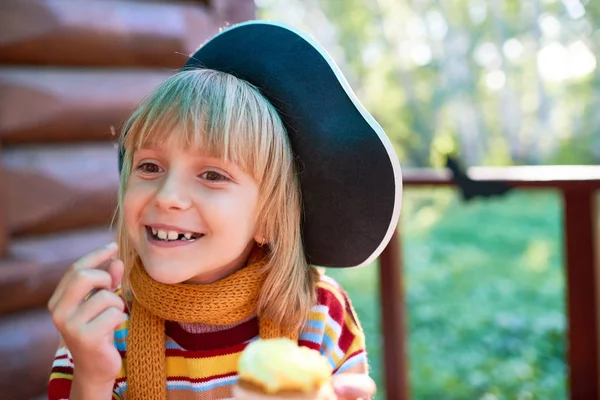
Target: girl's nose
<point>172,194</point>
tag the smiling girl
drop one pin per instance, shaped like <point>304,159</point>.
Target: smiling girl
<point>238,175</point>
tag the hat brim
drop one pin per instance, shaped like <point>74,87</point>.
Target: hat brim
<point>349,172</point>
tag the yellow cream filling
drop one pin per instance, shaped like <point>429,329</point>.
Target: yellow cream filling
<point>280,364</point>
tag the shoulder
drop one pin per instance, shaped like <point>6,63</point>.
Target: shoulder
<point>332,296</point>
<point>333,327</point>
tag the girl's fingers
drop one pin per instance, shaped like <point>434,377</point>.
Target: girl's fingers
<point>82,282</point>
<point>354,386</point>
<point>106,322</point>
<point>88,261</point>
<point>96,257</point>
<point>116,269</point>
<point>95,306</point>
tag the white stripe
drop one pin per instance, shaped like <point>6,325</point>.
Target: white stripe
<point>202,386</point>
<point>63,362</point>
<point>121,388</point>
<point>63,351</point>
<point>321,309</point>
<point>333,324</point>
<point>352,361</point>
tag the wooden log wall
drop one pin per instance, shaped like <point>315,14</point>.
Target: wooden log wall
<point>69,71</point>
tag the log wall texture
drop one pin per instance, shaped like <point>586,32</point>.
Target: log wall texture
<point>70,73</point>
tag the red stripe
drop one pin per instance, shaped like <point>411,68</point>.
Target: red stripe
<point>211,340</point>
<point>326,298</point>
<point>205,353</point>
<point>310,344</point>
<point>345,340</point>
<point>347,337</point>
<point>59,388</point>
<point>63,370</point>
<point>200,380</point>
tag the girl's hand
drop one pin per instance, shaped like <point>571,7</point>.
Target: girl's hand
<point>87,327</point>
<point>353,386</point>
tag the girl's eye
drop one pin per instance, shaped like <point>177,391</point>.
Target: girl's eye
<point>149,168</point>
<point>214,176</point>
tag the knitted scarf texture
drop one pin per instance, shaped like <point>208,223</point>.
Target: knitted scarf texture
<point>224,302</point>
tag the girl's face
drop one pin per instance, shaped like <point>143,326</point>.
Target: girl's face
<point>191,218</point>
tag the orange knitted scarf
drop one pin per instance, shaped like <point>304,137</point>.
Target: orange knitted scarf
<point>224,302</point>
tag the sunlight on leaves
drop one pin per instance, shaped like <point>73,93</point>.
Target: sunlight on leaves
<point>537,255</point>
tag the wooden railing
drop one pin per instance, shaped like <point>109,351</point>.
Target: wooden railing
<point>578,186</point>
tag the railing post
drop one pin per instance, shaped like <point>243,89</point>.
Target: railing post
<point>582,307</point>
<point>392,321</point>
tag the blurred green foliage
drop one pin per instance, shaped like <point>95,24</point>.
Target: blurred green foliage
<point>502,82</point>
<point>485,297</point>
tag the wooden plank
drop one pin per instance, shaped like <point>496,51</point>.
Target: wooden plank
<point>582,307</point>
<point>78,185</point>
<point>110,33</point>
<point>393,313</point>
<point>54,105</point>
<point>29,277</point>
<point>550,176</point>
<point>28,342</point>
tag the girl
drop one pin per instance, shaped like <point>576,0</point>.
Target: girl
<point>238,174</point>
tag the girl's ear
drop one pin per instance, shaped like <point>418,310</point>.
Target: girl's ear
<point>260,238</point>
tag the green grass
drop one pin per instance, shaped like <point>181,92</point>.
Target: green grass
<point>484,297</point>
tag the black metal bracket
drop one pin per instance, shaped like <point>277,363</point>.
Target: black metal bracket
<point>471,189</point>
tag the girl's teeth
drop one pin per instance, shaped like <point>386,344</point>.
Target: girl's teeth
<point>171,235</point>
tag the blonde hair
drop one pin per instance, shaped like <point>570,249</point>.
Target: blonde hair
<point>229,118</point>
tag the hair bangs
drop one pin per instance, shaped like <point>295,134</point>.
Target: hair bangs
<point>211,111</point>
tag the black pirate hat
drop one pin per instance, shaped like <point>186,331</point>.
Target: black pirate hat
<point>350,175</point>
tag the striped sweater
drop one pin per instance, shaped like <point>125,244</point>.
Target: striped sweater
<point>204,365</point>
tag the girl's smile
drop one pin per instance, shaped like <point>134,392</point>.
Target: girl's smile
<point>170,236</point>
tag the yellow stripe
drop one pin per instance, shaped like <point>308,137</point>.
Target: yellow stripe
<point>61,375</point>
<point>202,368</point>
<point>333,336</point>
<point>317,316</point>
<point>124,325</point>
<point>355,346</point>
<point>122,372</point>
